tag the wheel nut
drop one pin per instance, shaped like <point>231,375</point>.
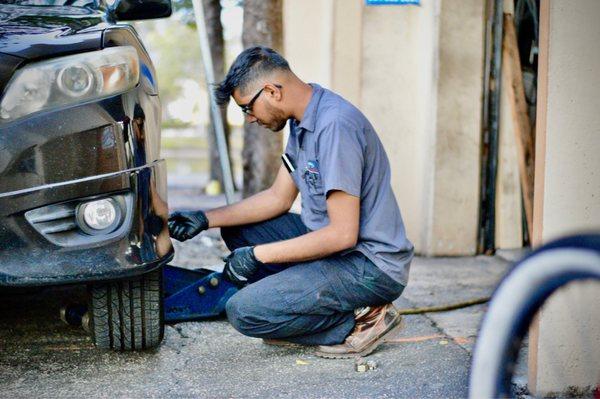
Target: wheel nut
<point>214,282</point>
<point>201,290</point>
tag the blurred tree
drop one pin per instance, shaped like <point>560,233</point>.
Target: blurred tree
<point>177,58</point>
<point>262,26</point>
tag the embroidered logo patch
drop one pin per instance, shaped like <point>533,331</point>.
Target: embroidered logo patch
<point>311,173</point>
<point>312,167</point>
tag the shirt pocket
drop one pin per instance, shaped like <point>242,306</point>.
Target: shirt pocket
<point>312,178</point>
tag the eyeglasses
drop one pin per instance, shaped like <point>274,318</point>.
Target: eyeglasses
<point>247,108</point>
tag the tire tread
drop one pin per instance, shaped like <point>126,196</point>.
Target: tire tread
<point>127,314</point>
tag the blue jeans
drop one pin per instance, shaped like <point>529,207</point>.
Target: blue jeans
<point>310,303</point>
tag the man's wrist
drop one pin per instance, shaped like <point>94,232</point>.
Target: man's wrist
<point>203,220</point>
<point>258,253</point>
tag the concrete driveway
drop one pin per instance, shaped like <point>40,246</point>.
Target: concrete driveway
<point>429,358</point>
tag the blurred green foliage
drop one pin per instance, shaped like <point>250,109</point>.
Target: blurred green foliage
<point>175,123</point>
<point>177,57</point>
<point>185,12</point>
<point>175,50</point>
<point>184,143</point>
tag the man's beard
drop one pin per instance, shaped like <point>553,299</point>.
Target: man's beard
<point>279,120</point>
<point>278,125</point>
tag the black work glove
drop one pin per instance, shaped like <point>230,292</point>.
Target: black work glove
<point>185,225</point>
<point>240,265</point>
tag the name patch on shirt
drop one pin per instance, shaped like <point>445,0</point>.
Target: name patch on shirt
<point>311,173</point>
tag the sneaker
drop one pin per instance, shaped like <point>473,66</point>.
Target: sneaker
<point>370,331</point>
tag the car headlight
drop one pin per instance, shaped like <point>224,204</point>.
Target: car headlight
<point>70,80</point>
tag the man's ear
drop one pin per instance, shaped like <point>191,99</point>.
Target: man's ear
<point>273,91</point>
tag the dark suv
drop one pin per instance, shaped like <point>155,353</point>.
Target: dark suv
<point>82,187</point>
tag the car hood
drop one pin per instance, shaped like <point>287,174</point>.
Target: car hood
<point>36,32</point>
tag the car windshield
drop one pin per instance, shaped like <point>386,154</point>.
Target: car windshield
<point>71,3</point>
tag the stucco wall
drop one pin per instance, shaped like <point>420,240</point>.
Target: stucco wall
<point>346,54</point>
<point>422,71</point>
<point>416,73</point>
<point>568,196</point>
<point>307,39</point>
<point>398,95</point>
<point>451,227</point>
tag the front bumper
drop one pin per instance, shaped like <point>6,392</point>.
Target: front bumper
<point>28,258</point>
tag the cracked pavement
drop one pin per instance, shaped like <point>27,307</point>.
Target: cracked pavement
<point>429,358</point>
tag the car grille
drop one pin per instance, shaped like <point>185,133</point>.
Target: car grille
<point>53,219</point>
<point>58,222</point>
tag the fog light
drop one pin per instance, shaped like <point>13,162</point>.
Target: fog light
<point>100,216</point>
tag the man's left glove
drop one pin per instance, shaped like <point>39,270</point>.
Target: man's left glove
<point>240,265</point>
<point>185,225</point>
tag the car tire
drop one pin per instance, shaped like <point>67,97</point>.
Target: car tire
<point>127,315</point>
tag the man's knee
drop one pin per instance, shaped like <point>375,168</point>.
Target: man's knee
<point>233,309</point>
<point>242,314</point>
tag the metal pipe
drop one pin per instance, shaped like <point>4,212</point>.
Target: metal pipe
<point>214,108</point>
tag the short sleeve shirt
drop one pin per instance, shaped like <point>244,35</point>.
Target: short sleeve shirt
<point>335,147</point>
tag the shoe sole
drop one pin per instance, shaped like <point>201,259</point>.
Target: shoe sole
<point>282,344</point>
<point>394,326</point>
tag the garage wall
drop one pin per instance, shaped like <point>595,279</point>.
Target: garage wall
<point>398,95</point>
<point>453,208</point>
<point>307,39</point>
<point>416,73</point>
<point>565,344</point>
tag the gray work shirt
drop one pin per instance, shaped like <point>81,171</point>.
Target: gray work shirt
<point>335,147</point>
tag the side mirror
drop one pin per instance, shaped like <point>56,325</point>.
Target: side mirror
<point>129,10</point>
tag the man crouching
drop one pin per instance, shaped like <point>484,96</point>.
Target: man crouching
<point>326,277</point>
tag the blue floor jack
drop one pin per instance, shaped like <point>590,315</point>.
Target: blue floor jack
<point>194,294</point>
<point>189,294</point>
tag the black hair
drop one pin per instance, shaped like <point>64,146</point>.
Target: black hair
<point>251,64</point>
